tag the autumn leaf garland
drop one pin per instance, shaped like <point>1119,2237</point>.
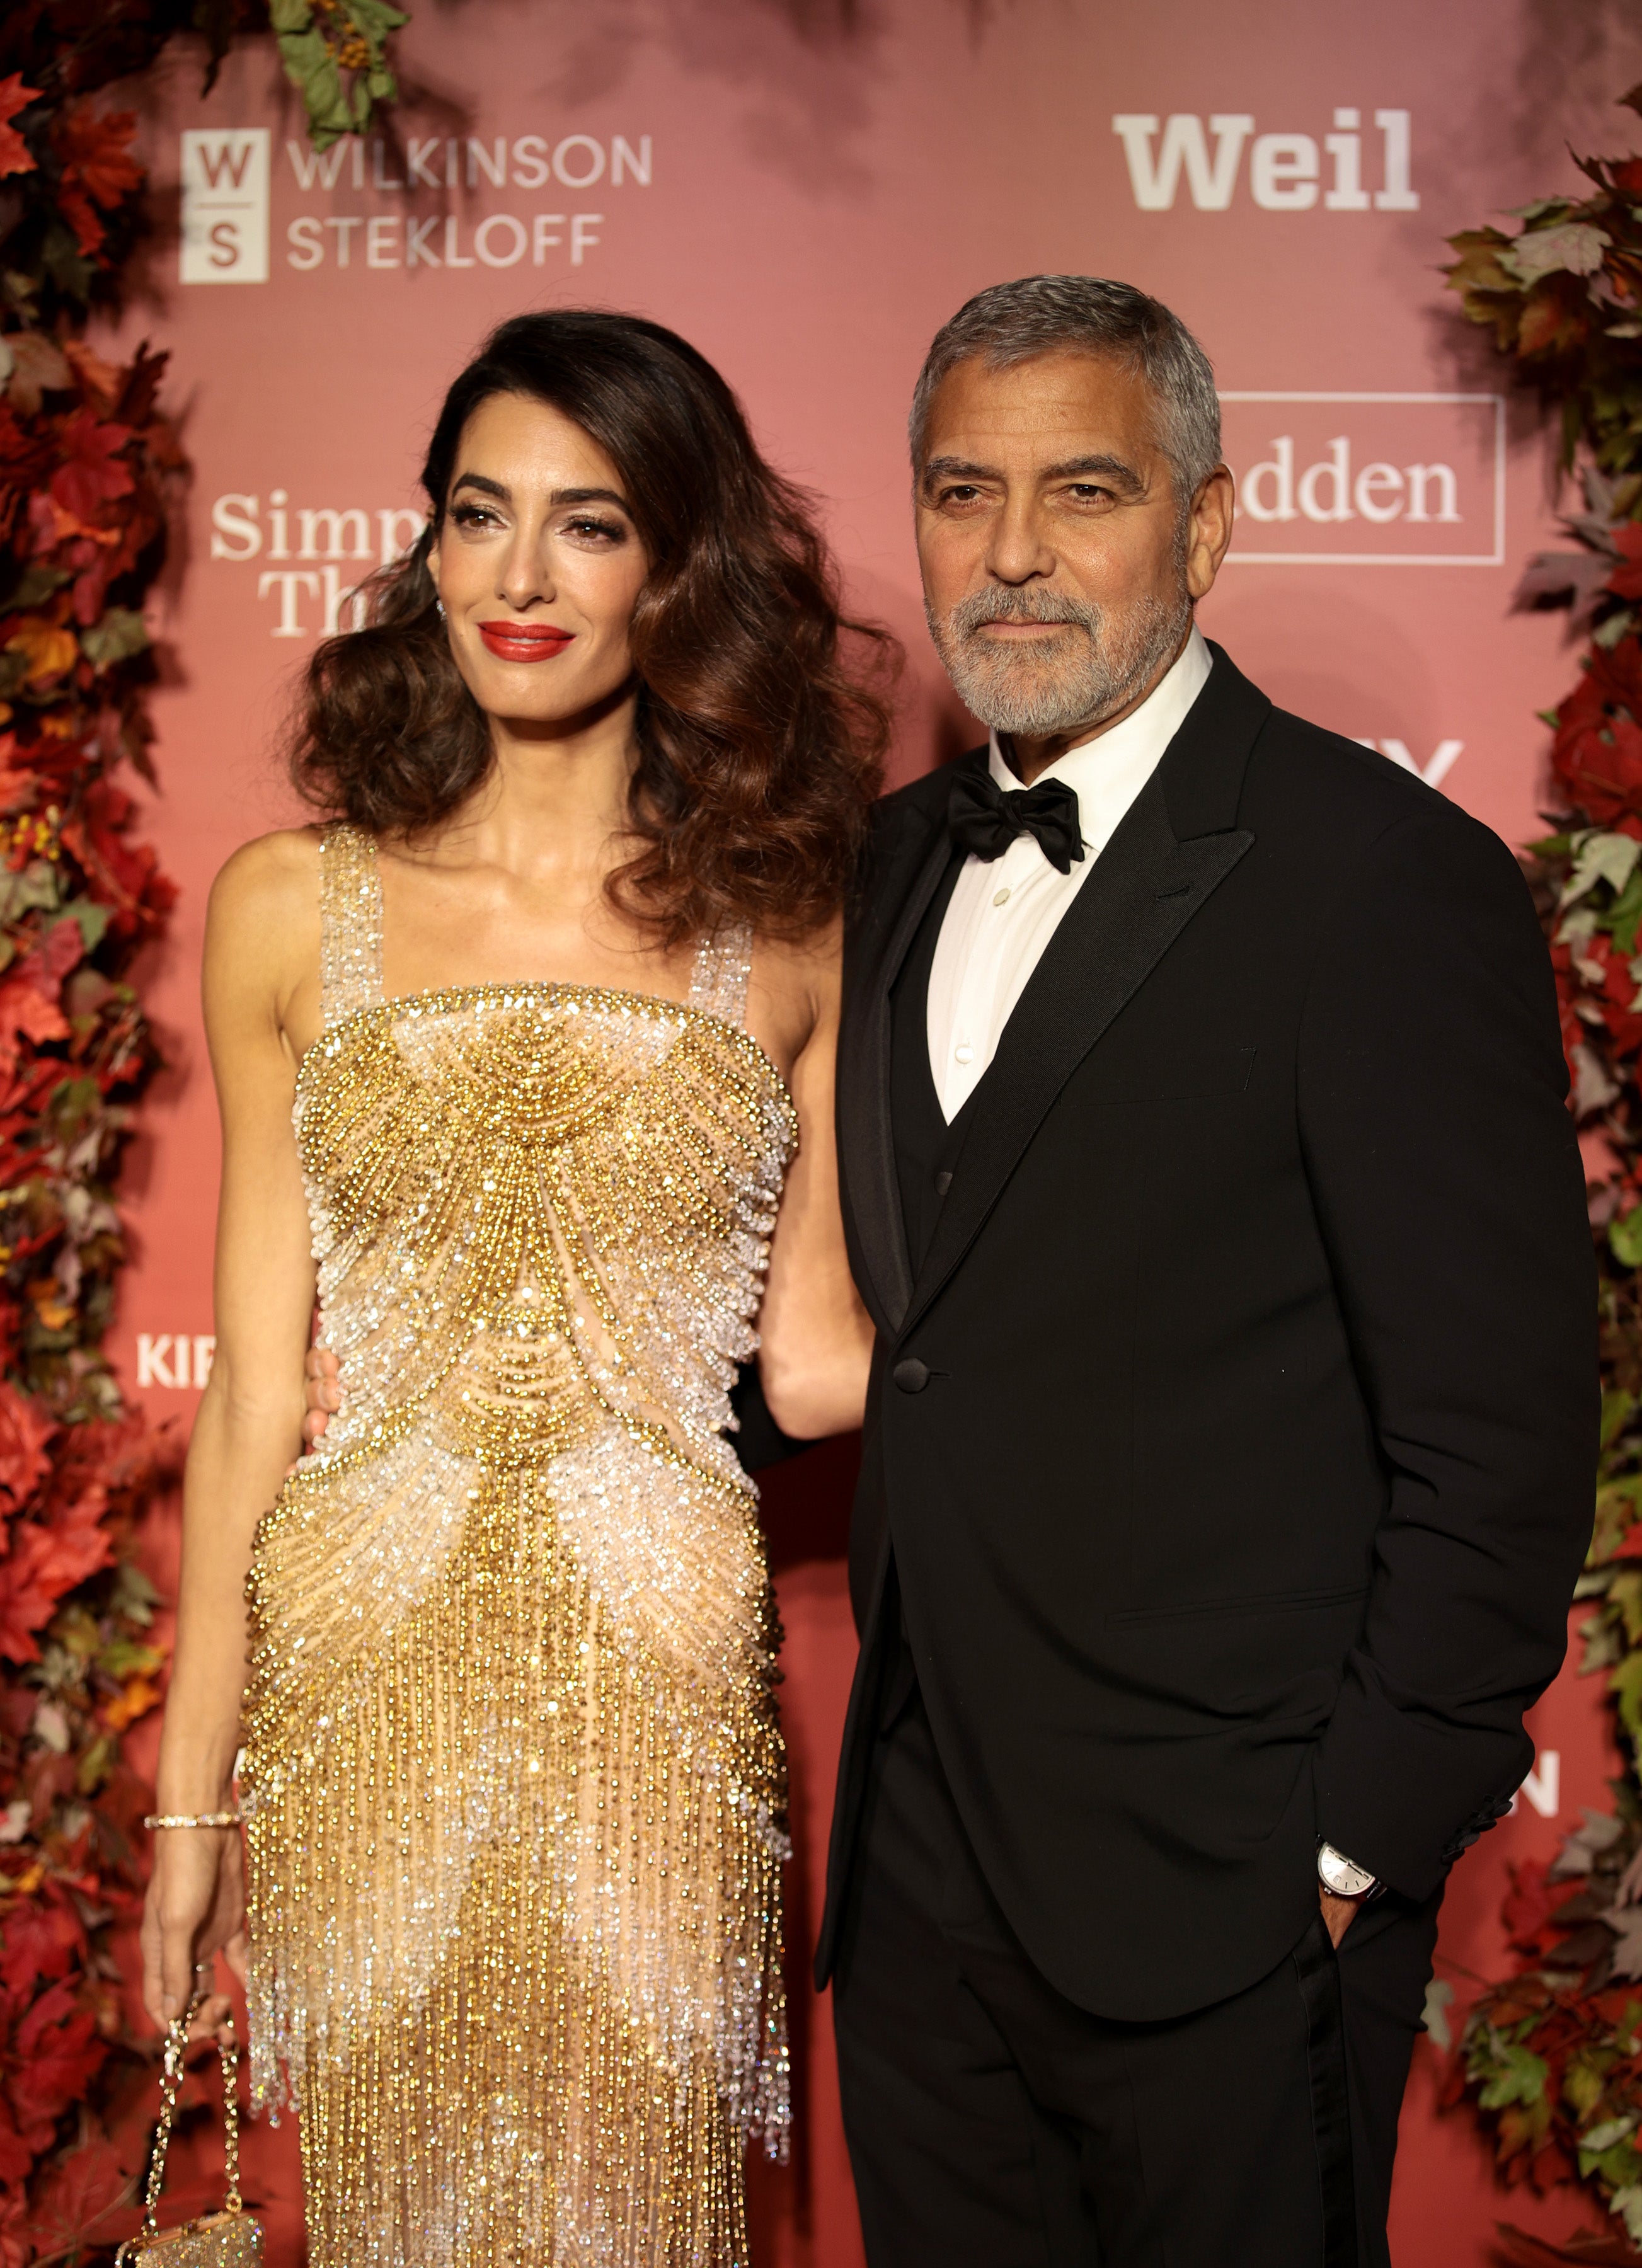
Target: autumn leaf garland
<point>1552,2057</point>
<point>89,472</point>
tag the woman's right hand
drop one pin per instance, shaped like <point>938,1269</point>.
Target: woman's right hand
<point>194,1911</point>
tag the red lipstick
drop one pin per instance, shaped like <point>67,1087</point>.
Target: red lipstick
<point>524,641</point>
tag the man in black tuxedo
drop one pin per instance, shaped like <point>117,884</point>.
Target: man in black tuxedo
<point>1230,1446</point>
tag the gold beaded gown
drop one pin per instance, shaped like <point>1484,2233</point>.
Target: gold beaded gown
<point>514,1787</point>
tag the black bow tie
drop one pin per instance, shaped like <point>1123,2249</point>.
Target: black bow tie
<point>985,817</point>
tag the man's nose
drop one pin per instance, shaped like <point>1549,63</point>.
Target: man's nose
<point>1018,551</point>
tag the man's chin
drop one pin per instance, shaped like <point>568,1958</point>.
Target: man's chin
<point>1020,709</point>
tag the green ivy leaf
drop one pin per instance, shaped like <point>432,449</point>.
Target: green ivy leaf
<point>376,19</point>
<point>1520,2076</point>
<point>312,69</point>
<point>1597,2138</point>
<point>96,1764</point>
<point>1627,2203</point>
<point>33,891</point>
<point>116,637</point>
<point>1583,2087</point>
<point>1618,1407</point>
<point>94,921</point>
<point>1434,2015</point>
<point>36,584</point>
<point>1624,1239</point>
<point>1601,857</point>
<point>135,1597</point>
<point>125,1657</point>
<point>1625,1685</point>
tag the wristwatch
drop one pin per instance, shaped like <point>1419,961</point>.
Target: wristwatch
<point>1338,1873</point>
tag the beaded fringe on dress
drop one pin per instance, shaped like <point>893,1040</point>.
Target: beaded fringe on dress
<point>514,1788</point>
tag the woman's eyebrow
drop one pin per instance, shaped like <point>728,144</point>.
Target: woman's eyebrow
<point>505,495</point>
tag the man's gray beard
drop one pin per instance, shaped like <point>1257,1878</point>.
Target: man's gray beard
<point>1098,668</point>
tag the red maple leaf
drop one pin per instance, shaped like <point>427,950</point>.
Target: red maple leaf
<point>15,156</point>
<point>98,149</point>
<point>79,2197</point>
<point>17,2245</point>
<point>1626,580</point>
<point>76,1542</point>
<point>56,2053</point>
<point>41,1939</point>
<point>25,1014</point>
<point>25,1427</point>
<point>1597,751</point>
<point>90,471</point>
<point>98,168</point>
<point>1530,1908</point>
<point>17,2152</point>
<point>45,1561</point>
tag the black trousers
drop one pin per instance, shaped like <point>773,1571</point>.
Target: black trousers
<point>994,2124</point>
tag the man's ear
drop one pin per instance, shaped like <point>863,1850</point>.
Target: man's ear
<point>1210,535</point>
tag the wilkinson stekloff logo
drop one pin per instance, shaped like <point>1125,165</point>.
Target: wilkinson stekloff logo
<point>423,207</point>
<point>225,196</point>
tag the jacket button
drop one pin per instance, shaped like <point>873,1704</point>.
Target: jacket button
<point>943,1183</point>
<point>912,1375</point>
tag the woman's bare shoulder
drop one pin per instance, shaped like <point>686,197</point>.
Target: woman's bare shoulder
<point>794,994</point>
<point>272,874</point>
<point>263,919</point>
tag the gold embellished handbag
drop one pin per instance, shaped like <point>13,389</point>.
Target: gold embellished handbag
<point>229,2238</point>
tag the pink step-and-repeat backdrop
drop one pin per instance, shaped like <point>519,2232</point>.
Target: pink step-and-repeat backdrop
<point>806,189</point>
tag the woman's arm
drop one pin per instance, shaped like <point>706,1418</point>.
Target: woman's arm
<point>815,1336</point>
<point>261,926</point>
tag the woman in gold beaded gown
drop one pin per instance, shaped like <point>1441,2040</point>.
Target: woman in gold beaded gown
<point>525,1068</point>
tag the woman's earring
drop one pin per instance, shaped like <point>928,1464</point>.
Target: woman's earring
<point>439,603</point>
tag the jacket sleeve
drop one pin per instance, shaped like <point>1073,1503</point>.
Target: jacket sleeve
<point>1446,1174</point>
<point>757,1440</point>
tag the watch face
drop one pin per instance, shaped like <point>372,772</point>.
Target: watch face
<point>1338,1873</point>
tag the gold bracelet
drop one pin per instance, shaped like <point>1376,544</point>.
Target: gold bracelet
<point>191,1819</point>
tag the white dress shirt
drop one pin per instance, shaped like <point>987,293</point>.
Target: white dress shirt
<point>1003,912</point>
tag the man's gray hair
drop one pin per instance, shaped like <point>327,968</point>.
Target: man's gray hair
<point>1042,314</point>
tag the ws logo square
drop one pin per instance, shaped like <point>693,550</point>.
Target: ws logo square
<point>225,205</point>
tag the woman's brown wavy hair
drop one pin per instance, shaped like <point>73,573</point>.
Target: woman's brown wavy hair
<point>759,747</point>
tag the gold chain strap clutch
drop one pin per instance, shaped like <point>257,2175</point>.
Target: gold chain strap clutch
<point>229,2238</point>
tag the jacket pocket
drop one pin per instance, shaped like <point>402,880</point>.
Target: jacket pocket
<point>1262,1602</point>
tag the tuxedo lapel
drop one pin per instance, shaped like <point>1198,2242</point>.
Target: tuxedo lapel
<point>908,872</point>
<point>1149,881</point>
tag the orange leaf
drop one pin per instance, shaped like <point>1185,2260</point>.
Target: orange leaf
<point>50,651</point>
<point>15,156</point>
<point>133,1701</point>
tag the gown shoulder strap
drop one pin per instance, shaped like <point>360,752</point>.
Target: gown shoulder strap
<point>718,982</point>
<point>350,924</point>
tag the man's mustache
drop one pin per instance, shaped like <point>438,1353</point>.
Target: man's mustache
<point>1003,606</point>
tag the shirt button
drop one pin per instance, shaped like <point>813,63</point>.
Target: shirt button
<point>943,1183</point>
<point>963,1052</point>
<point>1001,897</point>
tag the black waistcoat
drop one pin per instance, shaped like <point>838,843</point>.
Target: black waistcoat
<point>926,1147</point>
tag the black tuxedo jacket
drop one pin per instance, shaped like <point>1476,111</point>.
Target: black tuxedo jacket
<point>1233,1444</point>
